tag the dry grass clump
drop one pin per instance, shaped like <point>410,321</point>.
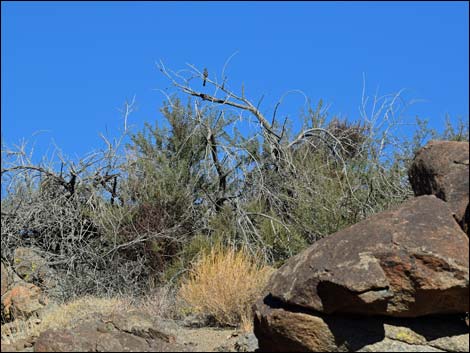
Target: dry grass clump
<point>224,284</point>
<point>63,316</point>
<point>71,313</point>
<point>160,302</point>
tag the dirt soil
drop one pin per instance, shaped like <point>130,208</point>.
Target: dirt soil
<point>207,339</point>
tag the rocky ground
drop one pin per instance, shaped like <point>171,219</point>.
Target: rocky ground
<point>135,331</point>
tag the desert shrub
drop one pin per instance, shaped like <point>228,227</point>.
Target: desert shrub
<point>163,188</point>
<point>160,301</point>
<point>58,226</point>
<point>224,284</point>
<point>334,176</point>
<point>457,132</point>
<point>180,264</point>
<point>277,234</point>
<point>212,172</point>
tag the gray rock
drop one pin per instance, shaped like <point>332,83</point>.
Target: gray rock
<point>33,268</point>
<point>388,345</point>
<point>197,321</point>
<point>246,343</point>
<point>242,343</point>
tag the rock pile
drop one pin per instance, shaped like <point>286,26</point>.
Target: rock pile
<point>441,168</point>
<point>20,299</point>
<point>32,267</point>
<point>22,302</point>
<point>398,281</point>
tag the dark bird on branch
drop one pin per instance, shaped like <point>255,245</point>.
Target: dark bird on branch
<point>205,74</point>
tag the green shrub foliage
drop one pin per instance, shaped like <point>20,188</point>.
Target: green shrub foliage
<point>207,173</point>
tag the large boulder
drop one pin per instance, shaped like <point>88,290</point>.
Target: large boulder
<point>406,262</point>
<point>441,168</point>
<point>134,332</point>
<point>281,329</point>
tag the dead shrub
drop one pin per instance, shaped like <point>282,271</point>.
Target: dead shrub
<point>149,219</point>
<point>160,302</point>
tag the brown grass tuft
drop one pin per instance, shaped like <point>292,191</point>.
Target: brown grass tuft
<point>224,284</point>
<point>62,316</point>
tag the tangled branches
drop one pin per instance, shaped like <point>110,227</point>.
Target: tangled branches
<point>128,216</point>
<point>298,189</point>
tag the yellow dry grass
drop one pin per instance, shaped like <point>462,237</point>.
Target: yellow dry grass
<point>224,284</point>
<point>80,309</point>
<point>62,316</point>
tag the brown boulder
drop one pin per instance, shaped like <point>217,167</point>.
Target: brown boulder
<point>135,332</point>
<point>88,339</point>
<point>22,300</point>
<point>441,168</point>
<point>284,330</point>
<point>407,262</point>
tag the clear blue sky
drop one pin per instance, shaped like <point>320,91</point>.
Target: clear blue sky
<point>67,66</point>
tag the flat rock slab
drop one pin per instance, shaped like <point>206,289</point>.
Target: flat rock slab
<point>135,332</point>
<point>407,262</point>
<point>283,330</point>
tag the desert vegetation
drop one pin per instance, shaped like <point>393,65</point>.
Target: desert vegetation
<point>206,201</point>
<point>223,284</point>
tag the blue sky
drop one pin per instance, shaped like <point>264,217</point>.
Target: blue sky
<point>68,66</point>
